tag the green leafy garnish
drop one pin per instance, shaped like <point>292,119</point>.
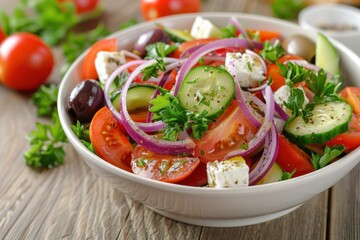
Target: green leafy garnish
<point>75,44</point>
<point>293,73</point>
<point>46,145</point>
<point>287,9</point>
<point>168,109</point>
<point>330,153</point>
<point>82,132</point>
<point>153,69</point>
<point>228,31</point>
<point>296,102</point>
<point>324,90</point>
<point>159,49</point>
<point>287,175</point>
<point>45,98</point>
<point>50,19</point>
<point>272,52</point>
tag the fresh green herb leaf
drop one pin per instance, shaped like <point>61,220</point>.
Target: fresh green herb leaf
<point>153,70</point>
<point>330,153</point>
<point>228,31</point>
<point>168,109</point>
<point>293,73</point>
<point>287,175</point>
<point>75,44</point>
<point>296,104</point>
<point>82,132</point>
<point>50,19</point>
<point>45,98</point>
<point>324,90</point>
<point>287,9</point>
<point>272,52</point>
<point>159,49</point>
<point>46,145</point>
<point>129,23</point>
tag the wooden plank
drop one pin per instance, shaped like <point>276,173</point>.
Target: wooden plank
<point>345,208</point>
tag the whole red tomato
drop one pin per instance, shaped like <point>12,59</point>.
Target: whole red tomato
<point>25,62</point>
<point>152,9</point>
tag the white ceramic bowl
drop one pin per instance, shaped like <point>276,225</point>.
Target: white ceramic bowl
<point>206,206</point>
<point>314,16</point>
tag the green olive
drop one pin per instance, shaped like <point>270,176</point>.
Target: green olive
<point>301,46</point>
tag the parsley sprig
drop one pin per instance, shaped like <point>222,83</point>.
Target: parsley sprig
<point>272,52</point>
<point>82,132</point>
<point>228,31</point>
<point>168,109</point>
<point>153,69</point>
<point>45,98</point>
<point>330,153</point>
<point>293,73</point>
<point>50,19</point>
<point>46,145</point>
<point>159,50</point>
<point>296,104</point>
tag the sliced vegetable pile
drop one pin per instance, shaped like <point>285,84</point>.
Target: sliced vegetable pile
<point>216,107</point>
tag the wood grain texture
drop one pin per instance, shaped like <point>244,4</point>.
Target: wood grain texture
<point>71,202</point>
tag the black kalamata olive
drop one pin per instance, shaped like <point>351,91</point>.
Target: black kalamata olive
<point>152,36</point>
<point>85,100</point>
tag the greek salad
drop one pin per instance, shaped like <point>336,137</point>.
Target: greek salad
<point>216,106</point>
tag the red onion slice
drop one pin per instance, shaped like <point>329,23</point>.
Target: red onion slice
<point>257,56</point>
<point>233,21</point>
<point>268,157</point>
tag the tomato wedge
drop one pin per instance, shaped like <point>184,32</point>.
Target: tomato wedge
<point>164,168</point>
<point>88,70</point>
<point>109,141</point>
<point>350,139</point>
<point>197,178</point>
<point>265,35</point>
<point>290,157</point>
<point>352,97</point>
<point>230,131</point>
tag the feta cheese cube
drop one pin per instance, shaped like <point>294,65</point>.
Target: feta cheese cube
<point>203,28</point>
<point>107,62</point>
<point>245,67</point>
<point>282,95</point>
<point>232,173</point>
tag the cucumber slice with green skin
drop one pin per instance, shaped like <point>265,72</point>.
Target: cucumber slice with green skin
<point>177,35</point>
<point>207,88</point>
<point>327,56</point>
<point>328,120</point>
<point>274,175</point>
<point>137,99</point>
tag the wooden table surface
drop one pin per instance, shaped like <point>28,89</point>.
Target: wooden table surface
<point>71,202</point>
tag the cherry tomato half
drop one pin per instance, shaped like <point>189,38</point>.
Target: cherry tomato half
<point>152,9</point>
<point>83,6</point>
<point>25,62</point>
<point>164,168</point>
<point>109,141</point>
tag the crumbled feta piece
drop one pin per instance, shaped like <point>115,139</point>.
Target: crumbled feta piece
<point>245,67</point>
<point>203,28</point>
<point>107,62</point>
<point>230,173</point>
<point>282,95</point>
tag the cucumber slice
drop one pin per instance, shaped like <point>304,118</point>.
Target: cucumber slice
<point>207,88</point>
<point>327,56</point>
<point>137,99</point>
<point>177,35</point>
<point>328,120</point>
<point>274,175</point>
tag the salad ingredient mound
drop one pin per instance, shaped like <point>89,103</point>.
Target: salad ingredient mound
<point>218,107</point>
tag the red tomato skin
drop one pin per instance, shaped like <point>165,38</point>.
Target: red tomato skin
<point>2,36</point>
<point>109,141</point>
<point>290,157</point>
<point>350,139</point>
<point>26,62</point>
<point>197,178</point>
<point>352,97</point>
<point>152,9</point>
<point>83,6</point>
<point>223,135</point>
<point>152,168</point>
<point>88,70</point>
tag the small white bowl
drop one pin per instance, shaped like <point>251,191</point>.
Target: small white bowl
<point>315,16</point>
<point>207,206</point>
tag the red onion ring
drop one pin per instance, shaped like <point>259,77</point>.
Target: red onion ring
<point>257,56</point>
<point>268,157</point>
<point>233,21</point>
